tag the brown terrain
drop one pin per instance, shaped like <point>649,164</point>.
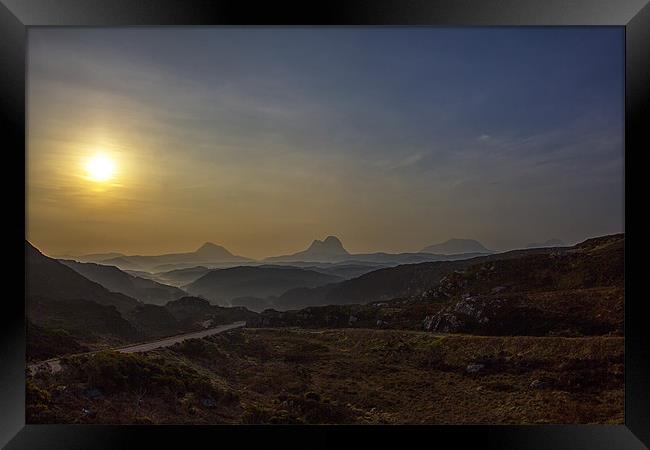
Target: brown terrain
<point>525,337</point>
<point>342,376</point>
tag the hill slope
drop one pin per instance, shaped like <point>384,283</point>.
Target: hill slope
<point>570,291</point>
<point>48,278</point>
<point>115,280</point>
<point>224,284</point>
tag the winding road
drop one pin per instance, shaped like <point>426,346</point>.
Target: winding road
<point>55,364</point>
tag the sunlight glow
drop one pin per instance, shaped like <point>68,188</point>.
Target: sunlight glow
<point>100,168</point>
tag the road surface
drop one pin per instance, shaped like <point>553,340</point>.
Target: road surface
<point>55,364</point>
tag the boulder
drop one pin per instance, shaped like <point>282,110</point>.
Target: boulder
<point>474,368</point>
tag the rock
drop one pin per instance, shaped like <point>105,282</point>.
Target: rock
<point>312,396</point>
<point>87,412</point>
<point>474,368</point>
<point>381,323</point>
<point>93,394</point>
<point>352,319</point>
<point>539,384</point>
<point>208,402</point>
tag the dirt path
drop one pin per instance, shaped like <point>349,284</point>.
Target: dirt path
<point>55,364</point>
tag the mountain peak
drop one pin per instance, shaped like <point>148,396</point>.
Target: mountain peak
<point>456,246</point>
<point>331,246</point>
<point>211,249</point>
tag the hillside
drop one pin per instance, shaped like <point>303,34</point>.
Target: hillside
<point>222,285</point>
<point>68,312</point>
<point>49,279</point>
<point>115,280</point>
<point>341,377</point>
<point>570,291</point>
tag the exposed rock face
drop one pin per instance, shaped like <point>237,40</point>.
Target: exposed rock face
<point>467,312</point>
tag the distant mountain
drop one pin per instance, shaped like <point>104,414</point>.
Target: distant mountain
<point>207,253</point>
<point>49,279</point>
<point>570,291</point>
<point>123,262</point>
<point>330,249</point>
<point>396,259</point>
<point>402,281</point>
<point>222,285</point>
<point>115,280</point>
<point>456,246</point>
<point>90,257</point>
<point>549,243</point>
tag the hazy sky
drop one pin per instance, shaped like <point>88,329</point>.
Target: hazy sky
<point>263,139</point>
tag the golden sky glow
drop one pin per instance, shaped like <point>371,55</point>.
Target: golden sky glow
<point>100,167</point>
<point>147,140</point>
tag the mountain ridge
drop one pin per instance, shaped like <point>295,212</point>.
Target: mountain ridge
<point>456,246</point>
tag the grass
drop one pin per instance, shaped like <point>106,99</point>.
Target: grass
<point>342,376</point>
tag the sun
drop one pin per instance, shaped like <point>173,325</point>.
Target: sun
<point>100,168</point>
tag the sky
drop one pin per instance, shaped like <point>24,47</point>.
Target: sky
<point>264,139</point>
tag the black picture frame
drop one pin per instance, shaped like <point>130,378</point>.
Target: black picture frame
<point>17,15</point>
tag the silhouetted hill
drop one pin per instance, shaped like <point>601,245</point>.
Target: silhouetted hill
<point>90,257</point>
<point>154,321</point>
<point>569,291</point>
<point>456,246</point>
<point>194,312</point>
<point>115,280</point>
<point>208,252</point>
<point>330,249</point>
<point>549,243</point>
<point>50,279</point>
<point>346,271</point>
<point>224,284</point>
<point>83,320</point>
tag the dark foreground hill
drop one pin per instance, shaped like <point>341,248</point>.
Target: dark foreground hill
<point>345,376</point>
<point>49,279</point>
<point>115,280</point>
<point>68,312</point>
<point>568,291</point>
